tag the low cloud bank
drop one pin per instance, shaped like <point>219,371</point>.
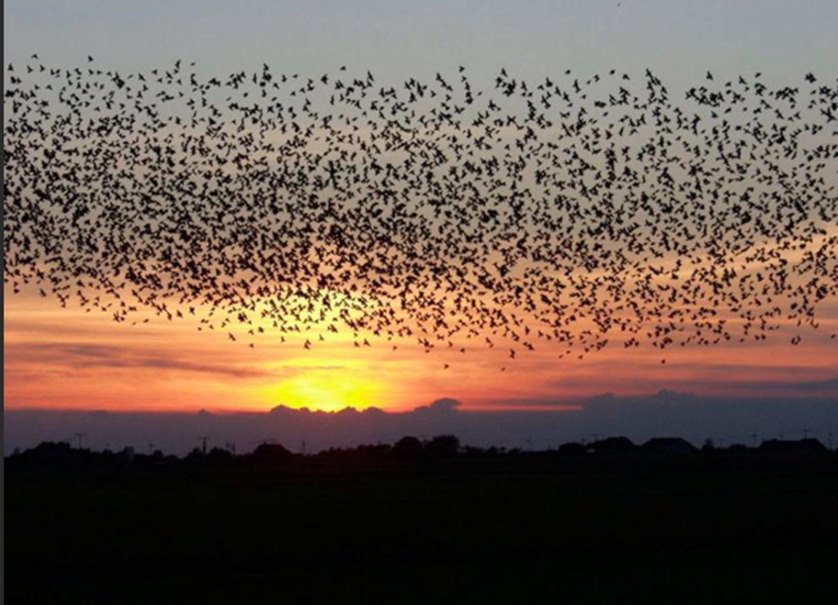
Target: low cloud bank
<point>666,413</point>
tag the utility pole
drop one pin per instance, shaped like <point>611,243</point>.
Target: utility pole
<point>204,439</point>
<point>79,438</point>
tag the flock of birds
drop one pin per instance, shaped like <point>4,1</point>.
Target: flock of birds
<point>572,211</point>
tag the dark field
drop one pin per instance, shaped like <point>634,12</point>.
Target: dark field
<point>511,528</point>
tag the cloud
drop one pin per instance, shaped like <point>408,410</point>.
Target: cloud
<point>576,403</point>
<point>86,355</point>
<point>811,386</point>
<point>701,379</point>
<point>444,405</point>
<point>188,366</point>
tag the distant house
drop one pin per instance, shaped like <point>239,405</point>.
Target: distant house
<point>611,445</point>
<point>793,446</point>
<point>673,446</point>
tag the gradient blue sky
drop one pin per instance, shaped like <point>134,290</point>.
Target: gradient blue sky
<point>676,38</point>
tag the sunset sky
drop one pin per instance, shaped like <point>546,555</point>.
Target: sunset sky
<point>72,358</point>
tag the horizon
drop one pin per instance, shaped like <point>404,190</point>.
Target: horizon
<point>725,421</point>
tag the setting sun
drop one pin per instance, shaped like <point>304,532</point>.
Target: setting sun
<point>326,390</point>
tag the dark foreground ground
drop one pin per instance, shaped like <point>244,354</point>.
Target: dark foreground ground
<point>517,528</point>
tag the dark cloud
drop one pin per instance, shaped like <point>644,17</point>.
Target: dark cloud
<point>188,366</point>
<point>84,355</point>
<point>814,386</point>
<point>444,405</point>
<point>739,378</point>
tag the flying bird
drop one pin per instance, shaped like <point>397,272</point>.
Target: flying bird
<point>582,212</point>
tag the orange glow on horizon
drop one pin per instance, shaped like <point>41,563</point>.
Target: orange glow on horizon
<point>68,358</point>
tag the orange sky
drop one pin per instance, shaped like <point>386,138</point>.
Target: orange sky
<point>74,359</point>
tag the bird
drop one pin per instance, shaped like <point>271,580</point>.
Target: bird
<point>580,212</point>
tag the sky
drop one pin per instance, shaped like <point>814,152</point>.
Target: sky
<point>72,359</point>
<point>531,38</point>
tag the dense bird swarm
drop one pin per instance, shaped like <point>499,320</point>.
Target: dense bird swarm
<point>572,210</point>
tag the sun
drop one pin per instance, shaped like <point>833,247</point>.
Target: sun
<point>327,391</point>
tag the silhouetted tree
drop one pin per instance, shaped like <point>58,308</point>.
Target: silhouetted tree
<point>219,456</point>
<point>572,449</point>
<point>443,446</point>
<point>407,447</point>
<point>272,453</point>
<point>196,455</point>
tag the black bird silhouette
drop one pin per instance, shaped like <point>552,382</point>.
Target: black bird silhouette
<point>579,211</point>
